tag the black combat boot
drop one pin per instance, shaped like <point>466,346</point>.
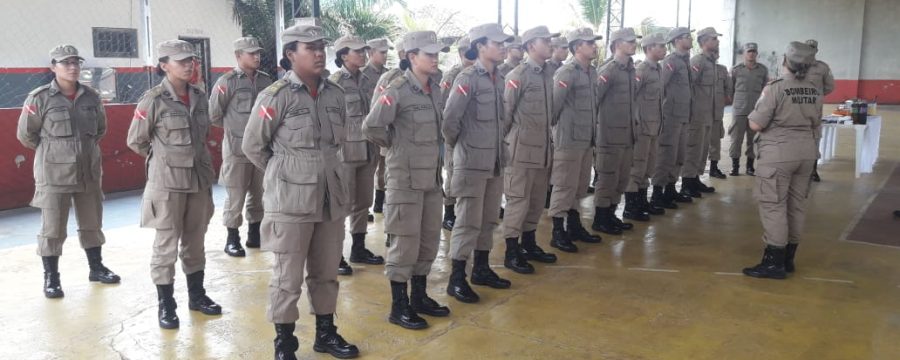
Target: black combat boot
<point>168,319</point>
<point>603,222</point>
<point>634,209</point>
<point>197,299</point>
<point>735,167</point>
<point>344,268</point>
<point>532,251</point>
<point>689,188</point>
<point>99,272</point>
<point>359,254</point>
<point>286,343</point>
<point>52,287</point>
<point>401,313</point>
<point>513,258</point>
<point>378,206</point>
<point>560,238</point>
<point>458,287</point>
<point>647,206</point>
<point>449,217</point>
<point>328,340</point>
<point>771,266</point>
<point>752,171</point>
<point>576,231</point>
<point>253,235</point>
<point>615,219</point>
<point>233,243</point>
<point>421,303</point>
<point>714,170</point>
<point>482,274</point>
<point>701,187</point>
<point>789,252</point>
<point>661,200</point>
<point>679,197</point>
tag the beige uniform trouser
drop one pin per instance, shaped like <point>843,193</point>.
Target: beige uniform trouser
<point>670,154</point>
<point>379,171</point>
<point>740,132</point>
<point>714,150</point>
<point>477,213</point>
<point>55,218</point>
<point>316,247</point>
<point>570,177</point>
<point>697,146</point>
<point>782,189</point>
<point>361,181</point>
<point>643,162</point>
<point>413,227</point>
<point>613,167</point>
<point>448,167</point>
<point>243,183</point>
<point>183,219</point>
<point>526,192</point>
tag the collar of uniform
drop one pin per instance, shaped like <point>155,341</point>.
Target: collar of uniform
<point>684,55</point>
<point>709,57</point>
<point>54,88</point>
<point>414,81</point>
<point>537,68</point>
<point>373,68</point>
<point>652,64</point>
<point>297,84</point>
<point>193,92</point>
<point>479,67</point>
<point>346,74</point>
<point>624,62</point>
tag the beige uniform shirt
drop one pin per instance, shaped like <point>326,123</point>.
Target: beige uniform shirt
<point>505,68</point>
<point>820,75</point>
<point>676,82</point>
<point>65,136</point>
<point>357,96</point>
<point>229,107</point>
<point>704,78</point>
<point>553,65</point>
<point>472,122</point>
<point>788,112</point>
<point>574,106</point>
<point>649,98</point>
<point>617,108</point>
<point>373,75</point>
<point>724,91</point>
<point>172,136</point>
<point>295,137</point>
<point>406,121</point>
<point>447,81</point>
<point>528,97</point>
<point>748,83</point>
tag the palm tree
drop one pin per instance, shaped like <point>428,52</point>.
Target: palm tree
<point>593,12</point>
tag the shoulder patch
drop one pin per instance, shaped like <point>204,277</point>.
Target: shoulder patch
<point>397,82</point>
<point>335,84</point>
<point>264,74</point>
<point>276,87</point>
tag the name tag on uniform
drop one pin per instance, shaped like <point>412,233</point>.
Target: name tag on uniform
<point>297,112</point>
<point>332,109</point>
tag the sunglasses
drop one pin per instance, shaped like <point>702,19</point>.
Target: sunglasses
<point>73,63</point>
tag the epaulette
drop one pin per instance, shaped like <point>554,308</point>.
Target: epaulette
<point>39,89</point>
<point>276,86</point>
<point>334,83</point>
<point>397,82</point>
<point>264,74</point>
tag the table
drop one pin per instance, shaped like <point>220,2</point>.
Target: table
<point>868,138</point>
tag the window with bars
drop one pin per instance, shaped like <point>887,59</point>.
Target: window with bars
<point>115,43</point>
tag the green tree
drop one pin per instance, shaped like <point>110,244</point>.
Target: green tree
<point>593,12</point>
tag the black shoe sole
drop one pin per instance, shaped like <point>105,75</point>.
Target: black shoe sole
<point>543,261</point>
<point>432,314</point>
<point>409,326</point>
<point>617,231</point>
<point>765,276</point>
<point>553,245</point>
<point>322,349</point>
<point>95,279</point>
<point>367,261</point>
<point>636,218</point>
<point>523,271</point>
<point>210,313</point>
<point>236,254</point>
<point>168,327</point>
<point>252,245</point>
<point>345,272</point>
<point>54,296</point>
<point>462,299</point>
<point>490,285</point>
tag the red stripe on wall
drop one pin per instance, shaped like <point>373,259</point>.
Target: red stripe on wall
<point>887,91</point>
<point>35,70</point>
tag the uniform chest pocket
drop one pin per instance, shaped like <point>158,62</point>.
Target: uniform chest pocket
<point>301,131</point>
<point>355,105</point>
<point>708,78</point>
<point>243,101</point>
<point>59,122</point>
<point>178,128</point>
<point>485,106</point>
<point>425,126</point>
<point>534,102</point>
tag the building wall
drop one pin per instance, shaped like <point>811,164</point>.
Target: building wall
<point>855,39</point>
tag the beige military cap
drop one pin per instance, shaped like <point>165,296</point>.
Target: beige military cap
<point>463,43</point>
<point>624,34</point>
<point>751,46</point>
<point>426,41</point>
<point>540,32</point>
<point>175,50</point>
<point>677,32</point>
<point>653,39</point>
<point>814,44</point>
<point>492,32</point>
<point>349,42</point>
<point>800,53</point>
<point>584,34</point>
<point>63,52</point>
<point>380,44</point>
<point>516,42</point>
<point>302,33</point>
<point>710,31</point>
<point>560,41</point>
<point>247,44</point>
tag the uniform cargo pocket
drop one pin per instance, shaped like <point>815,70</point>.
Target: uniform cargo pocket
<point>59,123</point>
<point>423,172</point>
<point>515,182</point>
<point>243,101</point>
<point>301,131</point>
<point>178,129</point>
<point>297,191</point>
<point>616,135</point>
<point>177,172</point>
<point>400,215</point>
<point>355,151</point>
<point>766,189</point>
<point>60,167</point>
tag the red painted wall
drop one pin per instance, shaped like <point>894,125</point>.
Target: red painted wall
<point>887,91</point>
<point>122,168</point>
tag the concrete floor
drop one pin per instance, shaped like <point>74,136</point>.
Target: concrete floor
<point>669,289</point>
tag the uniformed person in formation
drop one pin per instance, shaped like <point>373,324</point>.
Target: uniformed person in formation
<point>528,97</point>
<point>63,123</point>
<point>574,111</point>
<point>357,153</point>
<point>378,49</point>
<point>820,74</point>
<point>724,93</point>
<point>406,121</point>
<point>748,79</point>
<point>514,55</point>
<point>676,83</point>
<point>473,118</point>
<point>169,128</point>
<point>649,99</point>
<point>616,123</point>
<point>704,78</point>
<point>295,133</point>
<point>787,120</point>
<point>462,46</point>
<point>229,107</point>
<point>560,53</point>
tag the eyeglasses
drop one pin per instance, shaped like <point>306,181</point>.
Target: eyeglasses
<point>73,63</point>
